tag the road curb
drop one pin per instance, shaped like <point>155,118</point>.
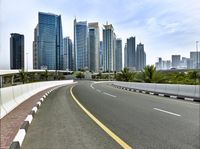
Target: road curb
<point>157,94</point>
<point>19,137</point>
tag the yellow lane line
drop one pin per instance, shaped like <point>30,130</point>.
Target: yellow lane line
<point>106,129</point>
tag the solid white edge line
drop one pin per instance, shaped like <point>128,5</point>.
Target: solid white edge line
<point>166,112</point>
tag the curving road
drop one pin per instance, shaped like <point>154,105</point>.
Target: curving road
<point>142,121</point>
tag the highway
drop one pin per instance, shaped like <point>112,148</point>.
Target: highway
<point>141,121</point>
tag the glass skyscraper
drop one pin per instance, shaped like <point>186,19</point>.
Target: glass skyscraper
<point>16,51</point>
<point>118,54</point>
<point>80,45</point>
<point>48,44</point>
<point>140,57</point>
<point>93,46</point>
<point>108,48</point>
<point>131,60</point>
<point>68,56</point>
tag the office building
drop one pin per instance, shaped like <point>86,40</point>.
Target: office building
<point>125,55</point>
<point>108,48</point>
<point>93,47</point>
<point>80,44</point>
<point>195,59</point>
<point>68,55</point>
<point>118,54</point>
<point>140,57</point>
<point>16,51</point>
<point>48,42</point>
<point>101,56</point>
<point>176,61</point>
<point>131,59</point>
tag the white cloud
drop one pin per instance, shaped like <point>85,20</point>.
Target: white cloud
<point>165,27</point>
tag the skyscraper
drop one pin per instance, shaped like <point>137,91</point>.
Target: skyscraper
<point>108,48</point>
<point>195,59</point>
<point>93,46</point>
<point>80,44</point>
<point>68,56</point>
<point>176,61</point>
<point>140,57</point>
<point>101,55</point>
<point>48,42</point>
<point>131,61</point>
<point>118,54</point>
<point>16,51</point>
<point>125,55</point>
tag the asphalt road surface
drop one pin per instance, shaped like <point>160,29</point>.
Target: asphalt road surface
<point>142,121</point>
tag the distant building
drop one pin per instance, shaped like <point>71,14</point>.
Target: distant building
<point>93,46</point>
<point>118,54</point>
<point>48,42</point>
<point>176,61</point>
<point>163,64</point>
<point>140,57</point>
<point>108,47</point>
<point>131,61</point>
<point>101,55</point>
<point>68,55</point>
<point>125,55</point>
<point>16,51</point>
<point>80,45</point>
<point>195,59</point>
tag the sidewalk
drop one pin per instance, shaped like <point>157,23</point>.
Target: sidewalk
<point>10,124</point>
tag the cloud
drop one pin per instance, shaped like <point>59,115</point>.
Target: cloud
<point>165,27</point>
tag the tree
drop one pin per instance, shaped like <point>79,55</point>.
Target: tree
<point>80,75</point>
<point>125,75</point>
<point>148,73</point>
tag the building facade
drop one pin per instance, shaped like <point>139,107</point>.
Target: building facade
<point>140,57</point>
<point>48,42</point>
<point>118,54</point>
<point>131,59</point>
<point>195,59</point>
<point>101,56</point>
<point>68,55</point>
<point>108,48</point>
<point>80,44</point>
<point>93,47</point>
<point>176,61</point>
<point>125,55</point>
<point>16,51</point>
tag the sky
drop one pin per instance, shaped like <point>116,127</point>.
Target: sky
<point>164,27</point>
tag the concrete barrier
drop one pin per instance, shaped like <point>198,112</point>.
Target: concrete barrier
<point>178,90</point>
<point>11,97</point>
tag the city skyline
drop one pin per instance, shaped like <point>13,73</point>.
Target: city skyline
<point>165,28</point>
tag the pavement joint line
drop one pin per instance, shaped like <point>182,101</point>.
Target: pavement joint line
<point>98,90</point>
<point>167,112</point>
<point>100,124</point>
<point>109,94</point>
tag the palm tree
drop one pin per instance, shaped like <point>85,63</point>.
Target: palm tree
<point>149,73</point>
